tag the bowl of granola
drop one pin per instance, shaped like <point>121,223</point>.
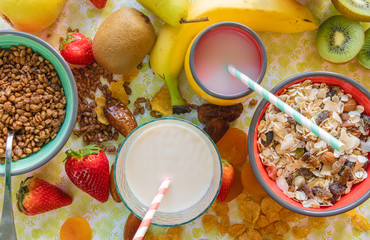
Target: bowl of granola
<point>299,170</point>
<point>38,100</point>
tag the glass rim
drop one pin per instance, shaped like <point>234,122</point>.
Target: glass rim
<point>212,144</point>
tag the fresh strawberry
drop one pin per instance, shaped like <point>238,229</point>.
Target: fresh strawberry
<point>37,196</point>
<point>88,169</point>
<point>227,180</point>
<point>77,49</point>
<point>99,3</point>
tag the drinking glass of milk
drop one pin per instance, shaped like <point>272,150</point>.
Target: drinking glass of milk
<point>216,46</point>
<point>172,148</point>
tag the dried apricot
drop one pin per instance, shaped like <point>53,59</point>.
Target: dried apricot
<point>234,146</point>
<point>250,182</point>
<point>75,228</point>
<point>300,232</point>
<point>317,222</point>
<point>209,222</point>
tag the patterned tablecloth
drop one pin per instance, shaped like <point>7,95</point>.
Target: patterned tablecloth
<point>288,54</point>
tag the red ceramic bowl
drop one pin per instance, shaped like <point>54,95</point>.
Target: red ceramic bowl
<point>359,193</point>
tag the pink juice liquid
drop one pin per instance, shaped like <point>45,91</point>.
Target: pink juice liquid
<point>226,46</point>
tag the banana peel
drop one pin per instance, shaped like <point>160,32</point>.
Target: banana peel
<point>168,53</point>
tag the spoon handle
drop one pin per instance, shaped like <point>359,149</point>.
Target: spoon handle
<point>7,229</point>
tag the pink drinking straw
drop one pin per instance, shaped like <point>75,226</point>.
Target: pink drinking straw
<point>144,225</point>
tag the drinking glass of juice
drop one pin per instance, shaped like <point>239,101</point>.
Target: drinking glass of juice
<point>168,148</point>
<point>220,44</point>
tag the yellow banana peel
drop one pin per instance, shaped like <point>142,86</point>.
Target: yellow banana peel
<point>168,53</point>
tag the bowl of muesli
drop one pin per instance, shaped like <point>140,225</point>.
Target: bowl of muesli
<point>38,100</point>
<point>299,170</point>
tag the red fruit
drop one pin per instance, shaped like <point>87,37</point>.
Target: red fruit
<point>227,180</point>
<point>99,3</point>
<point>77,49</point>
<point>37,196</point>
<point>88,169</point>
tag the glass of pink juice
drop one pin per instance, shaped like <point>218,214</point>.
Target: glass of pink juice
<point>220,44</point>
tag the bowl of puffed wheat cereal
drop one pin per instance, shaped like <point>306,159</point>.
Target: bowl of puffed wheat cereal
<point>301,171</point>
<point>38,100</point>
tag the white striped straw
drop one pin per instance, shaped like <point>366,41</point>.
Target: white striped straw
<point>318,131</point>
<point>144,225</point>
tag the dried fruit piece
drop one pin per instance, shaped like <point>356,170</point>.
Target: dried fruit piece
<point>216,128</point>
<point>321,193</point>
<point>360,222</point>
<point>131,226</point>
<point>112,186</point>
<point>228,113</point>
<point>250,182</point>
<point>282,227</point>
<point>269,205</point>
<point>234,146</point>
<point>75,228</point>
<point>99,110</point>
<point>236,229</point>
<point>266,139</point>
<point>300,232</point>
<point>118,92</point>
<point>317,222</point>
<point>322,116</point>
<point>250,234</point>
<point>209,222</point>
<point>120,117</point>
<point>161,101</point>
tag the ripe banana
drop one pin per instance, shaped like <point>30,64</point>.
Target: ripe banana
<point>167,55</point>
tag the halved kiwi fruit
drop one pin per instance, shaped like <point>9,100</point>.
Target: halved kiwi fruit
<point>364,55</point>
<point>339,39</point>
<point>358,10</point>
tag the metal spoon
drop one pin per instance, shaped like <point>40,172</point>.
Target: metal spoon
<point>7,228</point>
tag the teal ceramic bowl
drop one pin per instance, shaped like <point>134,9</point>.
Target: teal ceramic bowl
<point>10,38</point>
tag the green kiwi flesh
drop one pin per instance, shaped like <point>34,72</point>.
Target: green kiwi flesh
<point>364,55</point>
<point>339,39</point>
<point>358,10</point>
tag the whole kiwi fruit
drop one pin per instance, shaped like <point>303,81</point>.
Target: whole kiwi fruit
<point>123,40</point>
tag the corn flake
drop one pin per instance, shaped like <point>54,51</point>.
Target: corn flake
<point>250,234</point>
<point>221,208</point>
<point>317,222</point>
<point>99,110</point>
<point>175,232</point>
<point>262,221</point>
<point>161,102</point>
<point>351,213</point>
<point>360,222</point>
<point>268,230</point>
<point>222,229</point>
<point>300,232</point>
<point>269,205</point>
<point>209,222</point>
<point>282,227</point>
<point>273,216</point>
<point>289,216</point>
<point>241,197</point>
<point>130,75</point>
<point>225,221</point>
<point>276,237</point>
<point>236,229</point>
<point>250,211</point>
<point>118,92</point>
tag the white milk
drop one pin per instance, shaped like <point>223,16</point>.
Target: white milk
<point>169,150</point>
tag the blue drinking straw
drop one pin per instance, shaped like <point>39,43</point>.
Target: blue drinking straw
<point>318,131</point>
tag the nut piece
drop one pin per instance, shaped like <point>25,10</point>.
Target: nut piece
<point>350,105</point>
<point>120,117</point>
<point>328,158</point>
<point>216,128</point>
<point>112,186</point>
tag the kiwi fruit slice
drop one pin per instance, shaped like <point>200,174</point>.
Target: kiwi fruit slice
<point>364,55</point>
<point>358,10</point>
<point>339,39</point>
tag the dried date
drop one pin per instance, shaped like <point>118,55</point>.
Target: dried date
<point>269,137</point>
<point>216,128</point>
<point>227,113</point>
<point>120,117</point>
